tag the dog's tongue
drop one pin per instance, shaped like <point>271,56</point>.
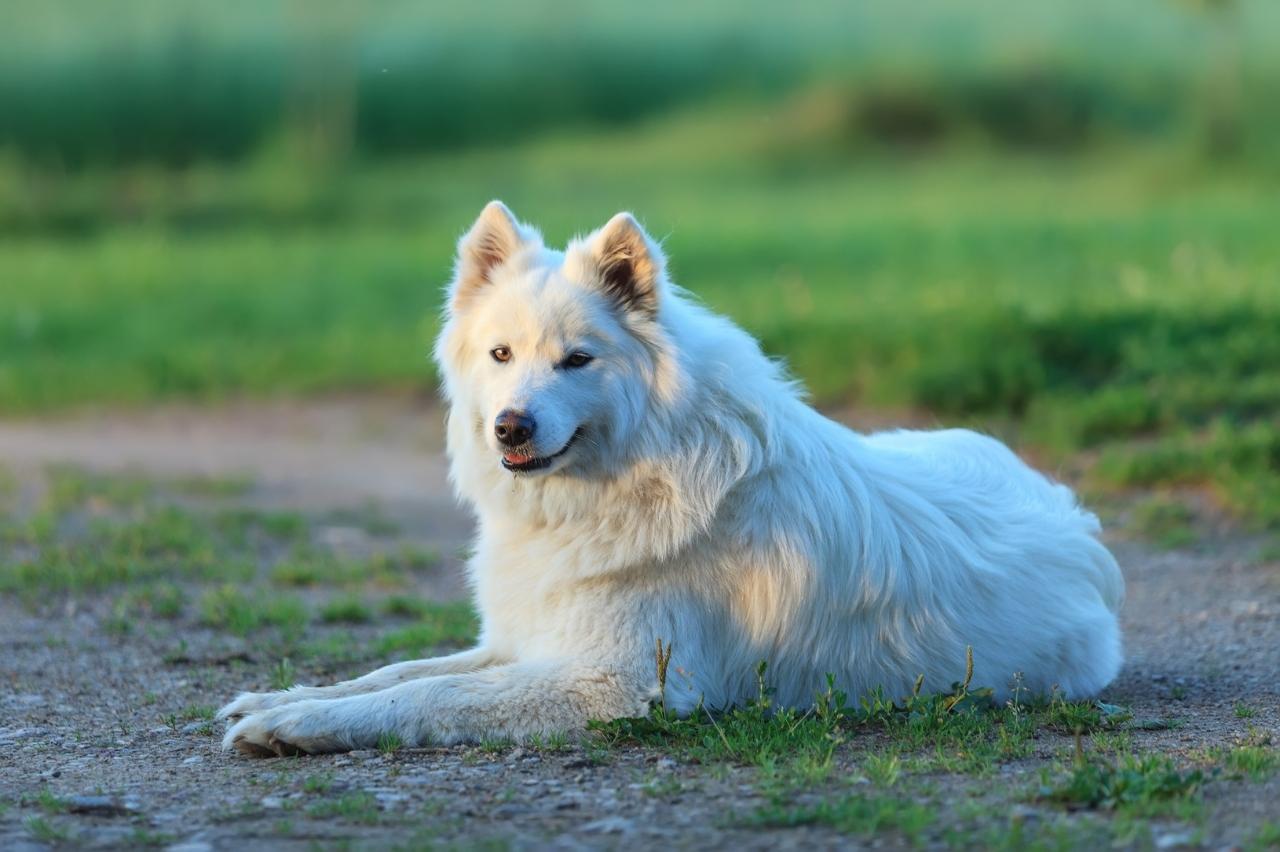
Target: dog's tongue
<point>516,458</point>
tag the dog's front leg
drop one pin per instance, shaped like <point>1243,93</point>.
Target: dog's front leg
<point>464,661</point>
<point>516,701</point>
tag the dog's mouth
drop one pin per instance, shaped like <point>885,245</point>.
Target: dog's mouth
<point>520,463</point>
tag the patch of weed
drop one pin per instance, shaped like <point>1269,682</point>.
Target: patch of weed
<point>862,816</point>
<point>1164,520</point>
<point>1144,783</point>
<point>241,526</point>
<point>441,624</point>
<point>46,801</point>
<point>1256,762</point>
<point>45,831</point>
<point>882,770</point>
<point>317,784</point>
<point>358,807</point>
<point>404,606</point>
<point>1266,837</point>
<point>228,608</point>
<point>346,610</point>
<point>72,487</point>
<point>283,674</point>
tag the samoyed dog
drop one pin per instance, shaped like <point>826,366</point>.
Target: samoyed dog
<point>641,471</point>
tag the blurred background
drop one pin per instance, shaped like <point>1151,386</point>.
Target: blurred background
<point>1056,221</point>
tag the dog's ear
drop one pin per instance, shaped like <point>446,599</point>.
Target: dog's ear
<point>626,264</point>
<point>494,238</point>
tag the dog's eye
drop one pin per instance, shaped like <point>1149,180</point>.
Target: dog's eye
<point>501,354</point>
<point>578,359</point>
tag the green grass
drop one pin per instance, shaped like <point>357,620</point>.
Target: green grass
<point>1255,762</point>
<point>389,743</point>
<point>283,675</point>
<point>159,599</point>
<point>1164,520</point>
<point>140,83</point>
<point>359,807</point>
<point>1122,304</point>
<point>962,731</point>
<point>317,784</point>
<point>165,566</point>
<point>44,831</point>
<point>235,611</point>
<point>1267,837</point>
<point>438,624</point>
<point>46,801</point>
<point>858,815</point>
<point>1149,783</point>
<point>306,568</point>
<point>346,610</point>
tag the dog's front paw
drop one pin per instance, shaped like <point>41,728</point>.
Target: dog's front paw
<point>247,703</point>
<point>301,728</point>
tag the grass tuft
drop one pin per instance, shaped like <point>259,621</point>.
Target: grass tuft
<point>1144,782</point>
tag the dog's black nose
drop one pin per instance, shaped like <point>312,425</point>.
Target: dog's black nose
<point>514,428</point>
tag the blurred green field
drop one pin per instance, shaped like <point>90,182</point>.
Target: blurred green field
<point>1059,224</point>
<point>180,82</point>
<point>1113,303</point>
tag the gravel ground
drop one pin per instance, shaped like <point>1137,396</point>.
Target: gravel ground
<point>96,750</point>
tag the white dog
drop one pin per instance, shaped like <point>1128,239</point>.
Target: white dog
<point>640,471</point>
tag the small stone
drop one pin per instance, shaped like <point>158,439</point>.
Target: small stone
<point>516,754</point>
<point>366,754</point>
<point>510,810</point>
<point>610,825</point>
<point>193,759</point>
<point>415,780</point>
<point>271,803</point>
<point>1176,840</point>
<point>98,806</point>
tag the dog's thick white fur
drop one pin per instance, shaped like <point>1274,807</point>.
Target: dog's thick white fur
<point>675,486</point>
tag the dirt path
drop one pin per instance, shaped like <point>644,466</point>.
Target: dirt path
<point>311,457</point>
<point>90,711</point>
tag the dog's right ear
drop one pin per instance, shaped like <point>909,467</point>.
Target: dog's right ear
<point>493,240</point>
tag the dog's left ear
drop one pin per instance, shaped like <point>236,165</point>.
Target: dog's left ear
<point>626,264</point>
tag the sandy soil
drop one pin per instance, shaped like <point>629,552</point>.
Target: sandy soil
<point>82,707</point>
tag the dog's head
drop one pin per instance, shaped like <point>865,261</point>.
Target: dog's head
<point>552,357</point>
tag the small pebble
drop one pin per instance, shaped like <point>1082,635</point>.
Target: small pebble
<point>609,825</point>
<point>99,806</point>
